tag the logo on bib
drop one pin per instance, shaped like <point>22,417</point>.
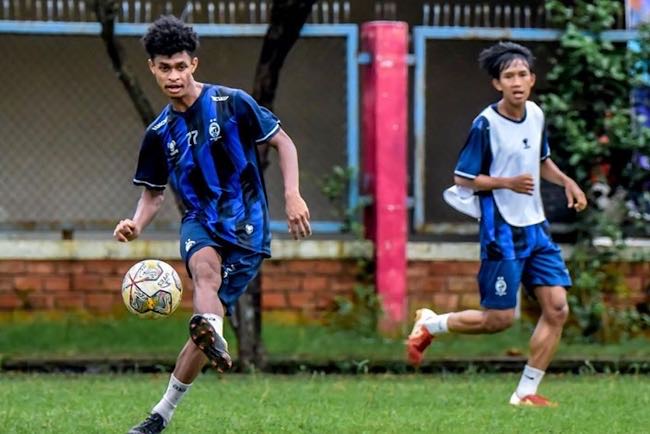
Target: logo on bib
<point>526,145</point>
<point>501,286</point>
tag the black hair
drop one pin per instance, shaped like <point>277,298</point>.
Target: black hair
<point>499,56</point>
<point>168,35</point>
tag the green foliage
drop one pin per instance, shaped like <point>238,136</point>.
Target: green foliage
<point>596,138</point>
<point>361,310</point>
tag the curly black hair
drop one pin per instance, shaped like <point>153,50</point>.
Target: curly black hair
<point>168,35</point>
<point>499,56</point>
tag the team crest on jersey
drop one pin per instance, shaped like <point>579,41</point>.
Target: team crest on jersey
<point>501,286</point>
<point>214,130</point>
<point>172,148</point>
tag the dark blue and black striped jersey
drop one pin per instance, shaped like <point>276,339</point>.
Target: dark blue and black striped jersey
<point>208,156</point>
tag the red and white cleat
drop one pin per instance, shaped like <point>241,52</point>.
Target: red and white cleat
<point>531,401</point>
<point>420,338</point>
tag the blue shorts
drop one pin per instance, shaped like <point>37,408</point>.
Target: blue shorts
<point>499,279</point>
<point>239,266</point>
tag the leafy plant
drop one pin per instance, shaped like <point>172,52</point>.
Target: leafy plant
<point>361,310</point>
<point>599,140</point>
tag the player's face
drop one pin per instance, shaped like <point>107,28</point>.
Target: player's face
<point>515,82</point>
<point>174,73</point>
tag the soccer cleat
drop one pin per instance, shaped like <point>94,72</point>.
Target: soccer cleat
<point>531,401</point>
<point>420,338</point>
<point>208,340</point>
<point>153,424</point>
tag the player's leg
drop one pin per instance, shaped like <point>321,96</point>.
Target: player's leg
<point>498,284</point>
<point>546,276</point>
<point>203,262</point>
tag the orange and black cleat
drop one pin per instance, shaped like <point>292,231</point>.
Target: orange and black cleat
<point>208,340</point>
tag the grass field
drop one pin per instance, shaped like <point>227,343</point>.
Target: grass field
<point>77,336</point>
<point>325,404</point>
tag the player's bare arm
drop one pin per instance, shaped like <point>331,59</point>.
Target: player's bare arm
<point>148,206</point>
<point>576,198</point>
<point>521,184</point>
<point>295,206</point>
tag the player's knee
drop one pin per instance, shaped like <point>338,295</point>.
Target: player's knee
<point>205,276</point>
<point>558,314</point>
<point>496,321</point>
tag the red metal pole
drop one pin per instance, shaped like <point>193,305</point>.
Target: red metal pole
<point>385,87</point>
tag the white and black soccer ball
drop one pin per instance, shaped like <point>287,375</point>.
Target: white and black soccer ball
<point>152,289</point>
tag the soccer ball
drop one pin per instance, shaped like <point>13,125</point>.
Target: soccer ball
<point>151,289</point>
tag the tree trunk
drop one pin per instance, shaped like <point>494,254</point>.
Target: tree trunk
<point>287,19</point>
<point>106,11</point>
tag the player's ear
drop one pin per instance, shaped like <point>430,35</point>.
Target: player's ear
<point>194,64</point>
<point>152,66</point>
<point>533,78</point>
<point>497,84</point>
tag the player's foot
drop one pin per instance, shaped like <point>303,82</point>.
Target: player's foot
<point>531,401</point>
<point>153,424</point>
<point>210,342</point>
<point>420,338</point>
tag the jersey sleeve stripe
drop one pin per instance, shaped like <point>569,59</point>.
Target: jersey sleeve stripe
<point>148,184</point>
<point>464,175</point>
<point>269,134</point>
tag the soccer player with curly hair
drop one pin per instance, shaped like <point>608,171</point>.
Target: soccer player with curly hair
<point>203,144</point>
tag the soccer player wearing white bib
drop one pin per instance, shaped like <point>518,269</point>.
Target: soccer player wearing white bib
<point>502,161</point>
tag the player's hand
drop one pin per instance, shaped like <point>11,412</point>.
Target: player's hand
<point>575,197</point>
<point>126,230</point>
<point>522,184</point>
<point>297,216</point>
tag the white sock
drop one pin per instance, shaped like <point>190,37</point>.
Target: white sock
<point>171,398</point>
<point>437,324</point>
<point>529,382</point>
<point>216,321</point>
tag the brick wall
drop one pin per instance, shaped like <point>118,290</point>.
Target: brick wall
<point>301,287</point>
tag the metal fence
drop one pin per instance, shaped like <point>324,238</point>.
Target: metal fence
<point>69,135</point>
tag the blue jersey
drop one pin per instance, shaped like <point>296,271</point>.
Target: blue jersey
<point>502,147</point>
<point>208,156</point>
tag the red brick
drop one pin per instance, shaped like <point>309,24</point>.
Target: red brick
<point>28,283</point>
<point>112,283</point>
<point>274,300</point>
<point>417,269</point>
<point>104,267</point>
<point>41,267</point>
<point>6,284</point>
<point>301,299</point>
<point>12,267</point>
<point>328,267</point>
<point>445,302</point>
<point>9,301</point>
<point>69,302</point>
<point>634,284</point>
<point>290,283</point>
<point>470,301</point>
<point>462,284</point>
<point>84,282</point>
<point>70,267</point>
<point>39,301</point>
<point>343,284</point>
<point>100,302</point>
<point>54,283</point>
<point>447,268</point>
<point>428,284</point>
<point>301,266</point>
<point>315,284</point>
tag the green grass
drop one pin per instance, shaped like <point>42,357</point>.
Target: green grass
<point>325,404</point>
<point>76,336</point>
